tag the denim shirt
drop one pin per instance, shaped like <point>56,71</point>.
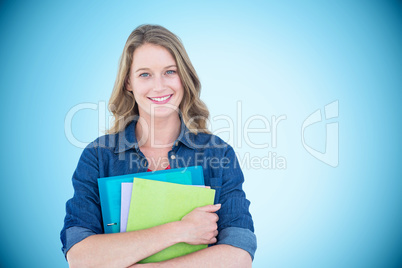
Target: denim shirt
<point>119,154</point>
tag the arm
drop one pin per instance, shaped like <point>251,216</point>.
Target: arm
<point>197,227</point>
<point>100,250</point>
<point>216,256</point>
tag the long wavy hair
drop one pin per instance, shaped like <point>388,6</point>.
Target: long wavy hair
<point>122,103</point>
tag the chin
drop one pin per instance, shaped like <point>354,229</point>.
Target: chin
<point>164,113</point>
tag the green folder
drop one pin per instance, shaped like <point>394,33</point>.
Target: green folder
<point>155,203</point>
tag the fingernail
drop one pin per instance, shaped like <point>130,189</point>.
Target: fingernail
<point>218,205</point>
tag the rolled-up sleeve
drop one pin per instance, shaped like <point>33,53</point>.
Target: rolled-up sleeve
<point>83,211</point>
<point>238,237</point>
<point>235,225</point>
<point>74,235</point>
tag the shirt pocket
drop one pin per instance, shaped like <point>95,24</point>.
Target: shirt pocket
<point>216,183</point>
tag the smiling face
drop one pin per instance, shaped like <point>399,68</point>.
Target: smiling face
<point>155,82</point>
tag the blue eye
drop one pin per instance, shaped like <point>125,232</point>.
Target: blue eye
<point>170,72</point>
<point>144,75</point>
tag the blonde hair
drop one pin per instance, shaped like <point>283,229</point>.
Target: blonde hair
<point>122,103</point>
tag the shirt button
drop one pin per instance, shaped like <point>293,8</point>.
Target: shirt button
<point>177,143</point>
<point>173,156</point>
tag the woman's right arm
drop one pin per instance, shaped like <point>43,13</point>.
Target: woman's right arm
<point>125,249</point>
<point>122,249</point>
<point>86,246</point>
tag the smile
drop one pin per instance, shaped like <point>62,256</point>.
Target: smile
<point>161,100</point>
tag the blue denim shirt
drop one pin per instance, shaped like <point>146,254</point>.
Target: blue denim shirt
<point>119,154</point>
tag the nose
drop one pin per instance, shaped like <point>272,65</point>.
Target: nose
<point>159,84</point>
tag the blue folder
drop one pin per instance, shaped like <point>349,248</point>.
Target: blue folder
<point>110,190</point>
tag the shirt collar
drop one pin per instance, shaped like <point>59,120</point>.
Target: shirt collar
<point>186,136</point>
<point>126,139</point>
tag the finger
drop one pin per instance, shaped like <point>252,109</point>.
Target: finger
<point>210,208</point>
<point>216,233</point>
<point>212,216</point>
<point>212,241</point>
<point>208,187</point>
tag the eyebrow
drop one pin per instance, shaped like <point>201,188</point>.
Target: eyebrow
<point>146,69</point>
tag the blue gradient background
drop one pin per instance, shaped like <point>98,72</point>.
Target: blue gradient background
<point>277,58</point>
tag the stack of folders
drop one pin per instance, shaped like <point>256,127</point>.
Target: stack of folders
<point>144,200</point>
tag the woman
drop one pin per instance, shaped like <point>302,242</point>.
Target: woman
<point>160,122</point>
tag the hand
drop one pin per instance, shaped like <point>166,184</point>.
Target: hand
<point>200,225</point>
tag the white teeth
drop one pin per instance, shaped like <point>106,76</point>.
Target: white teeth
<point>160,99</point>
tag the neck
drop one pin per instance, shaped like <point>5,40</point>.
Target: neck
<point>157,132</point>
